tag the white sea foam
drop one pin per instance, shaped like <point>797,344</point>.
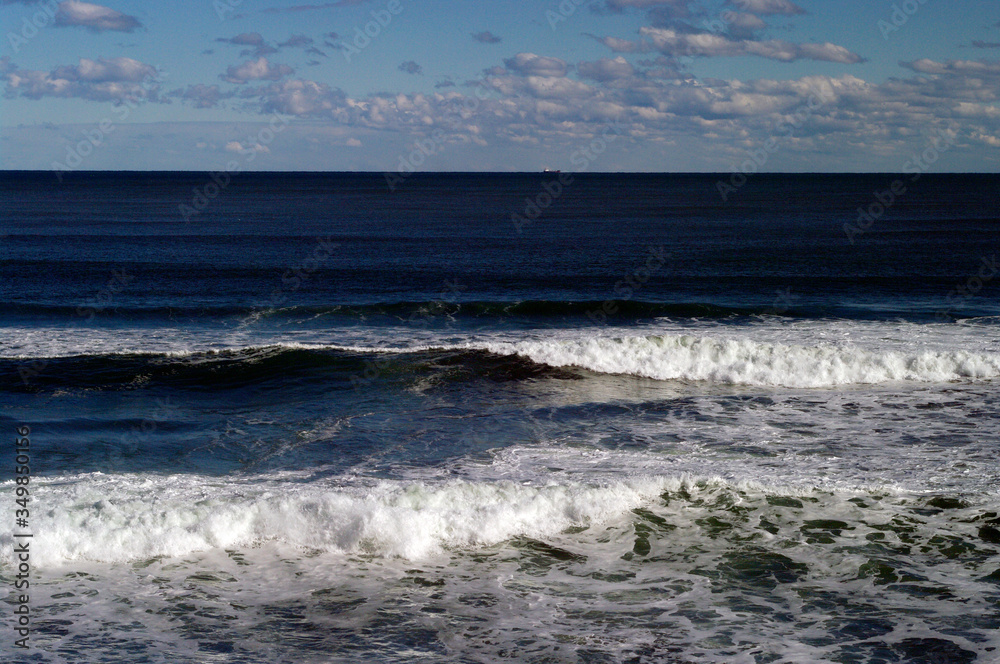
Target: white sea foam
<point>749,362</point>
<point>132,517</point>
<point>799,354</point>
<point>245,548</point>
<point>135,517</point>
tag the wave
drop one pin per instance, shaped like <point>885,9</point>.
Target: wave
<point>350,367</point>
<point>665,358</point>
<point>743,361</point>
<point>980,321</point>
<point>136,517</point>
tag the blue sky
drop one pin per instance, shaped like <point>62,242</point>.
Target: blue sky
<point>500,85</point>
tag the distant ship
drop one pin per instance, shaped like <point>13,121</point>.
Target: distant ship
<point>551,170</point>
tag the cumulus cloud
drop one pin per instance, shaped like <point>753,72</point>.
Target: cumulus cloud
<point>681,28</point>
<point>606,69</point>
<point>529,64</point>
<point>486,37</point>
<point>672,42</point>
<point>811,115</point>
<point>741,25</point>
<point>254,39</point>
<point>619,45</point>
<point>201,96</point>
<point>302,98</point>
<point>962,67</point>
<point>97,18</point>
<point>239,148</point>
<point>106,70</point>
<point>112,79</point>
<point>256,70</point>
<point>244,39</point>
<point>767,7</point>
<point>678,8</point>
<point>410,67</point>
<point>296,41</point>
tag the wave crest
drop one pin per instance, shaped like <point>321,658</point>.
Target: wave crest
<point>743,361</point>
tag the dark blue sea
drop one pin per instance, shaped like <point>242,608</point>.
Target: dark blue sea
<point>501,417</point>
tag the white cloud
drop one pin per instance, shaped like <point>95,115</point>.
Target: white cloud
<point>111,79</point>
<point>706,44</point>
<point>553,87</point>
<point>256,70</point>
<point>239,148</point>
<point>529,64</point>
<point>606,69</point>
<point>620,45</point>
<point>95,17</point>
<point>743,26</point>
<point>102,70</point>
<point>201,95</point>
<point>766,7</point>
<point>678,7</point>
<point>970,67</point>
<point>303,98</point>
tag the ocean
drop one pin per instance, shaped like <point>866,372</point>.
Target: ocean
<point>307,417</point>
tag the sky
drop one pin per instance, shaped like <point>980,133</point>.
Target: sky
<point>732,86</point>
